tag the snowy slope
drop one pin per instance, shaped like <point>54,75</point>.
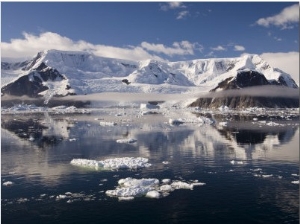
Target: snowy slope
<point>86,73</point>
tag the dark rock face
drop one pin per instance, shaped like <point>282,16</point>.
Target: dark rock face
<point>242,80</point>
<point>32,83</point>
<point>246,101</point>
<point>126,81</point>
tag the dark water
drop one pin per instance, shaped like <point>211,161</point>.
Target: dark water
<point>46,188</point>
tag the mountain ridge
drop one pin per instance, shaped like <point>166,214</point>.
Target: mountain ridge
<point>86,73</point>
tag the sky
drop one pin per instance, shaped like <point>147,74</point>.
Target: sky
<point>170,31</point>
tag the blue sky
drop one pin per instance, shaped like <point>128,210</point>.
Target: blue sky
<point>139,30</point>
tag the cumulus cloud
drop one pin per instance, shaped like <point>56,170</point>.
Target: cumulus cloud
<point>287,62</point>
<point>239,48</point>
<point>218,48</point>
<point>30,44</point>
<point>178,48</point>
<point>284,19</point>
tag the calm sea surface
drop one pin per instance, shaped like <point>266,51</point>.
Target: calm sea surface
<point>250,169</point>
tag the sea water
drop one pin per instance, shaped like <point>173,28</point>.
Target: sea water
<point>227,171</point>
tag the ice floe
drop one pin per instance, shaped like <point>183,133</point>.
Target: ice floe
<point>7,183</point>
<point>126,140</point>
<point>149,187</point>
<point>295,182</point>
<point>113,164</point>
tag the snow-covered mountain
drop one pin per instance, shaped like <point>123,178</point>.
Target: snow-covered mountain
<point>59,73</point>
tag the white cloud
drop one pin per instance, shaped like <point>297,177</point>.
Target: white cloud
<point>179,48</point>
<point>284,19</point>
<point>218,48</point>
<point>30,44</point>
<point>182,14</point>
<point>287,62</point>
<point>277,39</point>
<point>239,48</point>
<point>172,5</point>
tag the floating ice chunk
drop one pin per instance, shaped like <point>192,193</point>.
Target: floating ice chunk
<point>126,140</point>
<point>165,162</point>
<point>256,170</point>
<point>233,162</point>
<point>153,194</point>
<point>255,119</point>
<point>166,188</point>
<point>181,185</point>
<point>61,196</point>
<point>132,182</point>
<point>295,182</point>
<point>295,175</point>
<point>72,139</point>
<point>22,200</point>
<point>7,183</point>
<point>166,181</point>
<point>106,123</point>
<point>271,123</point>
<point>224,123</point>
<point>267,175</point>
<point>116,163</point>
<point>86,163</point>
<point>131,187</point>
<point>125,198</point>
<point>126,162</point>
<point>198,184</point>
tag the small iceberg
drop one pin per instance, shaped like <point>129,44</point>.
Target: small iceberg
<point>113,164</point>
<point>7,183</point>
<point>295,182</point>
<point>148,187</point>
